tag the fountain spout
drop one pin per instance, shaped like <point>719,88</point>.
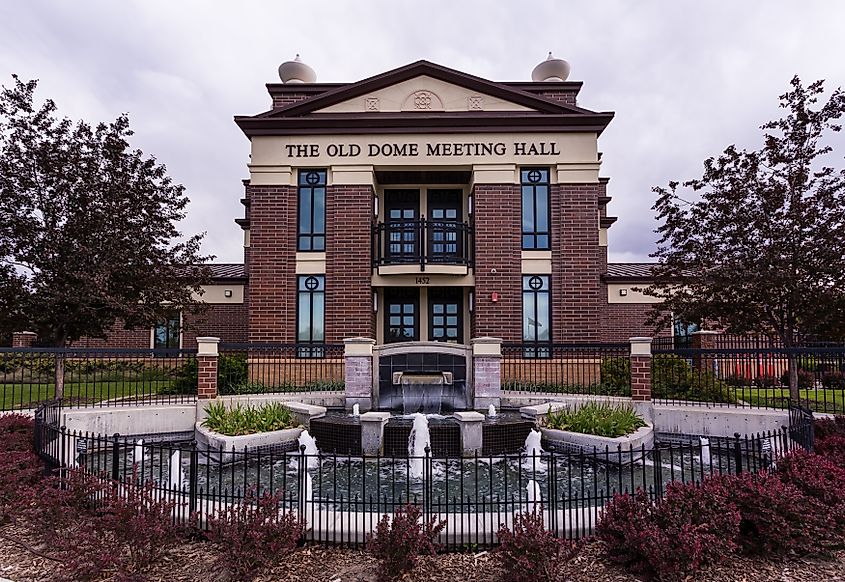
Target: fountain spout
<point>491,411</point>
<point>418,441</point>
<point>176,476</point>
<point>534,452</point>
<point>356,411</point>
<point>311,452</point>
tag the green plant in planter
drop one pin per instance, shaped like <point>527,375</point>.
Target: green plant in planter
<point>596,418</point>
<point>241,420</point>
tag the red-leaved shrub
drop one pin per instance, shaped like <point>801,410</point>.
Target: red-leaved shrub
<point>130,528</point>
<point>817,477</point>
<point>16,432</point>
<point>530,552</point>
<point>777,518</point>
<point>825,427</point>
<point>60,504</point>
<point>400,540</point>
<point>693,526</point>
<point>20,471</point>
<point>254,534</point>
<point>832,448</point>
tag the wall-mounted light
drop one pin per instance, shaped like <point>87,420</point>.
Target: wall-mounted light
<point>471,301</point>
<point>623,292</point>
<point>375,301</point>
<point>469,205</point>
<point>227,293</point>
<point>375,206</point>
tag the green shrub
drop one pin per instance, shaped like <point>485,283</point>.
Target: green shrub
<point>597,418</point>
<point>241,420</point>
<point>186,380</point>
<point>616,372</point>
<point>673,378</point>
<point>232,372</point>
<point>806,379</point>
<point>834,380</point>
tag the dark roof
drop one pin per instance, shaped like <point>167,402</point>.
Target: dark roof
<point>227,270</point>
<point>629,271</point>
<point>298,118</point>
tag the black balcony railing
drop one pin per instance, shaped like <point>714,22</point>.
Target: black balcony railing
<point>422,242</point>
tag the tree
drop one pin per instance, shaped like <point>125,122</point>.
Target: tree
<point>88,233</point>
<point>762,248</point>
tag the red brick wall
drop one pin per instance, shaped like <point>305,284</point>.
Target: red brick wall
<point>287,99</point>
<point>566,97</point>
<point>627,320</point>
<point>498,245</point>
<point>120,338</point>
<point>272,264</point>
<point>578,294</point>
<point>349,304</point>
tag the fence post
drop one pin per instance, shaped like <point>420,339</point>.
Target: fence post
<point>427,484</point>
<point>358,371</point>
<point>302,477</point>
<point>115,461</point>
<point>640,368</point>
<point>737,453</point>
<point>207,367</point>
<point>703,340</point>
<point>192,480</point>
<point>486,372</point>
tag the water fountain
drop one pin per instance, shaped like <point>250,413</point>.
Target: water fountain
<point>491,411</point>
<point>705,453</point>
<point>138,452</point>
<point>535,497</point>
<point>176,473</point>
<point>311,452</point>
<point>419,440</point>
<point>534,452</point>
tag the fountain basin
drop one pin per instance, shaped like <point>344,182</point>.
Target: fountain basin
<point>619,450</point>
<point>220,446</point>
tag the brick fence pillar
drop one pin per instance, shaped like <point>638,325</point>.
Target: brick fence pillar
<point>486,372</point>
<point>704,340</point>
<point>23,339</point>
<point>358,367</point>
<point>641,368</point>
<point>207,367</point>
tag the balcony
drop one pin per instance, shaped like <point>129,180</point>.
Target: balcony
<point>422,246</point>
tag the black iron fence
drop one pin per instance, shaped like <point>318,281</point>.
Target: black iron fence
<point>596,369</point>
<point>342,497</point>
<point>279,368</point>
<point>751,377</point>
<point>95,377</point>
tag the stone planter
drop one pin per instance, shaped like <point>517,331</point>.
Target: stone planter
<point>631,446</point>
<point>213,445</point>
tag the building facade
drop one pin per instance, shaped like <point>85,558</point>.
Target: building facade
<point>421,204</point>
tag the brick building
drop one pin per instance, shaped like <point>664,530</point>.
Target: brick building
<point>421,204</point>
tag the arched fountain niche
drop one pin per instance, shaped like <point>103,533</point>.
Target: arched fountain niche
<point>426,377</point>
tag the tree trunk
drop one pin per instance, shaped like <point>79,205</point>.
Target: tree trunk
<point>61,341</point>
<point>794,394</point>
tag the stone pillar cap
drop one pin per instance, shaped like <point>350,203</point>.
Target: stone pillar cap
<point>468,416</point>
<point>374,416</point>
<point>24,333</point>
<point>207,346</point>
<point>359,340</point>
<point>640,346</point>
<point>486,340</point>
<point>706,332</point>
<point>358,346</point>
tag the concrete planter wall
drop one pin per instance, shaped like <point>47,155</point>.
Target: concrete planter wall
<point>212,443</point>
<point>631,445</point>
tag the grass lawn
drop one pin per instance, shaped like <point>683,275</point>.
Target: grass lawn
<point>29,395</point>
<point>820,400</point>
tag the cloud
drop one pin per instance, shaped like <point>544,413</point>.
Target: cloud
<point>685,78</point>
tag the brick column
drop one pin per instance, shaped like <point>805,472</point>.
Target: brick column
<point>704,340</point>
<point>486,372</point>
<point>207,367</point>
<point>358,365</point>
<point>641,368</point>
<point>23,339</point>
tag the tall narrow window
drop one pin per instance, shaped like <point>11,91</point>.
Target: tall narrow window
<point>166,332</point>
<point>535,208</point>
<point>311,229</point>
<point>536,320</point>
<point>310,318</point>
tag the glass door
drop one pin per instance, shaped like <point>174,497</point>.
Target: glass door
<point>445,314</point>
<point>401,314</point>
<point>401,213</point>
<point>445,232</point>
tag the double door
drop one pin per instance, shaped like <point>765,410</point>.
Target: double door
<point>411,237</point>
<point>444,313</point>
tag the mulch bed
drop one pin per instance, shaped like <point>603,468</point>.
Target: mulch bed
<point>22,560</point>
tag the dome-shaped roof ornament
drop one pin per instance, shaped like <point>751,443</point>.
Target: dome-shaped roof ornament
<point>551,69</point>
<point>296,71</point>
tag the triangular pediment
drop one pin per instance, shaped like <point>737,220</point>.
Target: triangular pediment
<point>422,94</point>
<point>423,86</point>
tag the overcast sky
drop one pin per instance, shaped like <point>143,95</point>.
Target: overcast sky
<point>685,79</point>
